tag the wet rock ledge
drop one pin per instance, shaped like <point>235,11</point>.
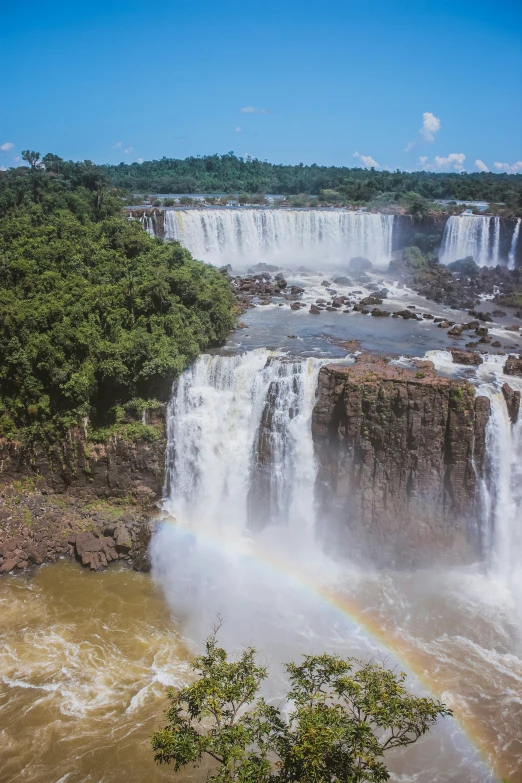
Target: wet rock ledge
<point>400,453</point>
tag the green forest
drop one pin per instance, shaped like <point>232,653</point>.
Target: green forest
<point>231,174</point>
<point>95,315</point>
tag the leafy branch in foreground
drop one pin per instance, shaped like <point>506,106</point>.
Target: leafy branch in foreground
<point>343,717</point>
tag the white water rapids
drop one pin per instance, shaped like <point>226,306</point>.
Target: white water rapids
<point>241,486</point>
<point>247,236</point>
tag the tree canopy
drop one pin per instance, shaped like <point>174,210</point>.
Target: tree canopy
<point>231,174</point>
<point>93,311</point>
<point>343,717</point>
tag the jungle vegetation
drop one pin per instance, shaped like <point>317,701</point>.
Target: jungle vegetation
<point>94,313</point>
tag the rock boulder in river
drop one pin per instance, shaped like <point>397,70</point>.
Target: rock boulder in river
<point>359,264</point>
<point>513,366</point>
<point>466,357</point>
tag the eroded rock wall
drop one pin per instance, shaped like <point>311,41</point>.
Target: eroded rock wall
<point>91,501</point>
<point>399,454</point>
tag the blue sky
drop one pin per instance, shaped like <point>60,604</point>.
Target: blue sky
<point>402,83</point>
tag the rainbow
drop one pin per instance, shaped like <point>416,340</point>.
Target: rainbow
<point>411,659</point>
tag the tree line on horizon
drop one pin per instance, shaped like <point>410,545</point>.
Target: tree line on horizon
<point>232,174</point>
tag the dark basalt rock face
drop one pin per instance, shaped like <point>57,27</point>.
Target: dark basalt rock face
<point>512,399</point>
<point>114,469</point>
<point>91,502</point>
<point>398,455</point>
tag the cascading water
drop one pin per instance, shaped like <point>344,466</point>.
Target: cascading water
<point>501,487</point>
<point>244,236</point>
<point>149,224</point>
<point>502,490</point>
<point>239,441</point>
<point>505,486</point>
<point>513,246</point>
<point>471,235</point>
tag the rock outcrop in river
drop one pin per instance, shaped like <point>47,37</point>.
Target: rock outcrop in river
<point>399,453</point>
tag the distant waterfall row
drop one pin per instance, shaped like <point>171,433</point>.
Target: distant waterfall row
<point>284,236</point>
<point>290,237</point>
<point>480,237</point>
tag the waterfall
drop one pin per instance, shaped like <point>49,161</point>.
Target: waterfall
<point>284,236</point>
<point>502,490</point>
<point>471,235</point>
<point>149,224</point>
<point>240,450</point>
<point>513,246</point>
<point>501,486</point>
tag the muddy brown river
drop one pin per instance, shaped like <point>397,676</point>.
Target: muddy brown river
<point>84,665</point>
<point>86,659</point>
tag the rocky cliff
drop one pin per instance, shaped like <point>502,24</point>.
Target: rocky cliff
<point>399,453</point>
<point>92,501</point>
<point>426,232</point>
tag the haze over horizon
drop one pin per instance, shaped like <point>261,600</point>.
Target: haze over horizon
<point>350,86</point>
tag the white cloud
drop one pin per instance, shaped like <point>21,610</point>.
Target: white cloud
<point>367,161</point>
<point>117,145</point>
<point>18,159</point>
<point>128,150</point>
<point>430,126</point>
<point>140,160</point>
<point>253,110</point>
<point>3,168</point>
<point>7,146</point>
<point>510,168</point>
<point>423,160</point>
<point>238,129</point>
<point>481,165</point>
<point>453,161</point>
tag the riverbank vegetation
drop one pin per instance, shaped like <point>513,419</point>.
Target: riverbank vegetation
<point>346,717</point>
<point>94,313</point>
<point>231,174</point>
